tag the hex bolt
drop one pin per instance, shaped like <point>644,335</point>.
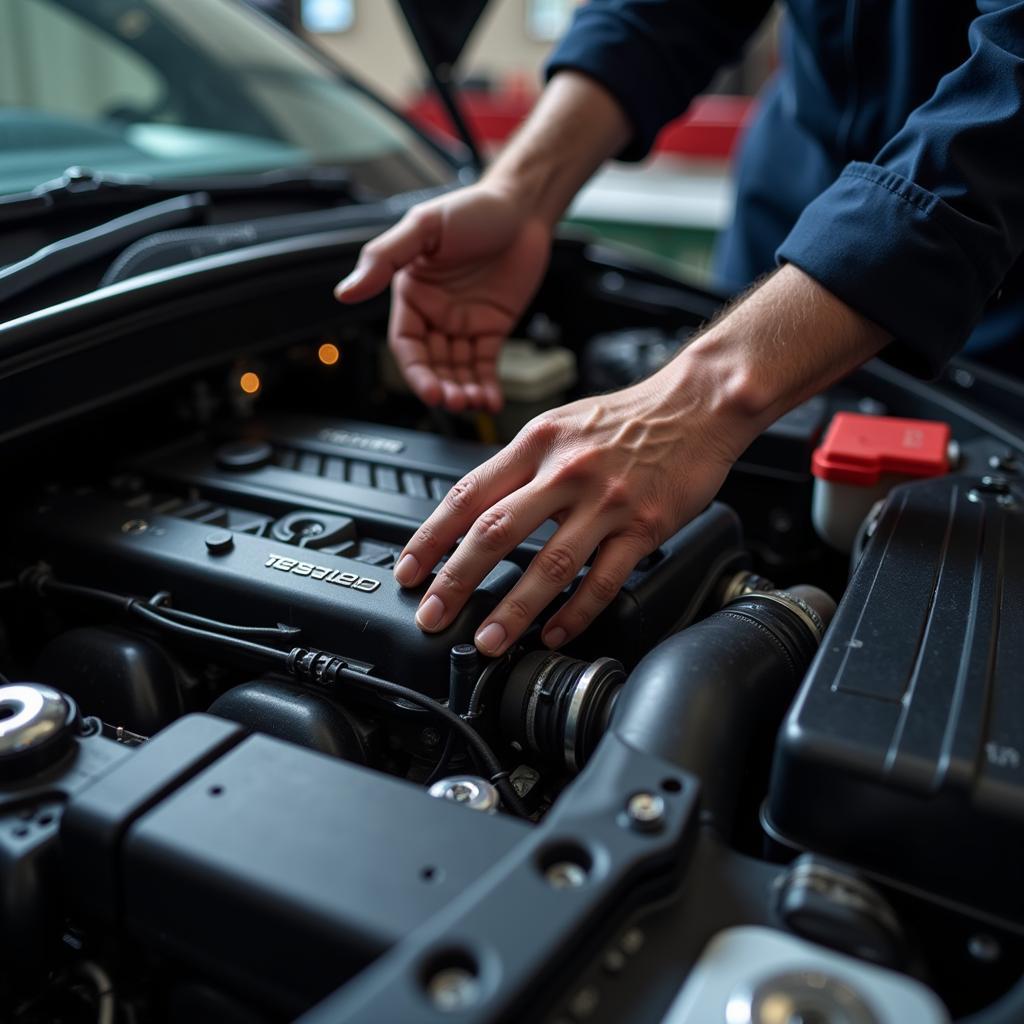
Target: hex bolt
<point>564,874</point>
<point>646,812</point>
<point>469,790</point>
<point>452,989</point>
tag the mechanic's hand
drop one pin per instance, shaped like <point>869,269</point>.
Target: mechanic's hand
<point>464,266</point>
<point>620,473</point>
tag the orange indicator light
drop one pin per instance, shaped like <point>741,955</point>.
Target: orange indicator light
<point>328,353</point>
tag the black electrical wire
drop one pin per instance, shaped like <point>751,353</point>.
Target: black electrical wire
<point>184,623</point>
<point>316,666</point>
<point>278,632</point>
<point>156,617</point>
<point>306,664</point>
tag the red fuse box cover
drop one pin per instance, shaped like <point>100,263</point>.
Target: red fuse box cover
<point>858,449</point>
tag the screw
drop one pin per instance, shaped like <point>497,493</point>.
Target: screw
<point>564,874</point>
<point>646,811</point>
<point>452,989</point>
<point>430,737</point>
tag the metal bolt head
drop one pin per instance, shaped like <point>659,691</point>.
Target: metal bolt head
<point>646,811</point>
<point>462,792</point>
<point>452,989</point>
<point>469,790</point>
<point>564,874</point>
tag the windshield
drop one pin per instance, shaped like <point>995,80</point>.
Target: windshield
<point>171,88</point>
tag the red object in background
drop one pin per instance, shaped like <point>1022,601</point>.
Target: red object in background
<point>857,449</point>
<point>709,129</point>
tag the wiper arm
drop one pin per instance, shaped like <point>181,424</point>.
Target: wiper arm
<point>78,187</point>
<point>110,237</point>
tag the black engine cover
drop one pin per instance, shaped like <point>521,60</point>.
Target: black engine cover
<point>904,752</point>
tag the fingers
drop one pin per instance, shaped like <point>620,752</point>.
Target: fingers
<point>408,341</point>
<point>379,260</point>
<point>494,534</point>
<point>485,370</point>
<point>550,572</point>
<point>616,559</point>
<point>476,492</point>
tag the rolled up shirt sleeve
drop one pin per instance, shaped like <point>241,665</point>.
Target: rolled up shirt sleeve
<point>654,56</point>
<point>920,239</point>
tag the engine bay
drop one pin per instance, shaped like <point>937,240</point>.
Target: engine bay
<point>238,782</point>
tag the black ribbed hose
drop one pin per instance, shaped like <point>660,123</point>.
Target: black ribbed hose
<point>698,699</point>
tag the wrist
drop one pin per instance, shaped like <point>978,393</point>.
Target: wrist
<point>710,385</point>
<point>575,126</point>
<point>785,341</point>
<point>522,186</point>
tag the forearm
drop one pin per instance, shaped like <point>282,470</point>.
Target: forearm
<point>785,341</point>
<point>575,126</point>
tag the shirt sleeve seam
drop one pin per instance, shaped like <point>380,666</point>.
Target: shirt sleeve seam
<point>929,206</point>
<point>926,204</point>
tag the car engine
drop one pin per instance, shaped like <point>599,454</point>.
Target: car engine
<point>776,781</point>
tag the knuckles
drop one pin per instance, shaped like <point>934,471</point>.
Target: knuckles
<point>449,581</point>
<point>602,587</point>
<point>556,565</point>
<point>515,609</point>
<point>424,539</point>
<point>541,431</point>
<point>494,529</point>
<point>462,497</point>
<point>616,496</point>
<point>648,530</point>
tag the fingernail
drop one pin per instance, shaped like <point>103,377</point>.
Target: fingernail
<point>346,283</point>
<point>430,612</point>
<point>554,637</point>
<point>490,638</point>
<point>407,570</point>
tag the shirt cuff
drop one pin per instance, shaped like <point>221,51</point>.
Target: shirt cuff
<point>892,251</point>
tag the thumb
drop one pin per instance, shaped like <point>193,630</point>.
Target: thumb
<point>416,233</point>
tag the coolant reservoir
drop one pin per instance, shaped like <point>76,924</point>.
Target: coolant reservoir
<point>861,459</point>
<point>533,378</point>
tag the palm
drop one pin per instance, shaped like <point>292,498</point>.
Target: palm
<point>453,309</point>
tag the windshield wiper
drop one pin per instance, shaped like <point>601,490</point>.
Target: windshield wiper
<point>78,187</point>
<point>110,237</point>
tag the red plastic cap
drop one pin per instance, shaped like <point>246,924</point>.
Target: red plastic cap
<point>859,449</point>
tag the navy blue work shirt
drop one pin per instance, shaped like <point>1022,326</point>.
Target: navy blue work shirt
<point>887,158</point>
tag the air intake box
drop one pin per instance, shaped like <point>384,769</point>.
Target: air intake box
<point>904,751</point>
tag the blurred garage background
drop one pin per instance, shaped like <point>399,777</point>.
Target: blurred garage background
<point>672,205</point>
